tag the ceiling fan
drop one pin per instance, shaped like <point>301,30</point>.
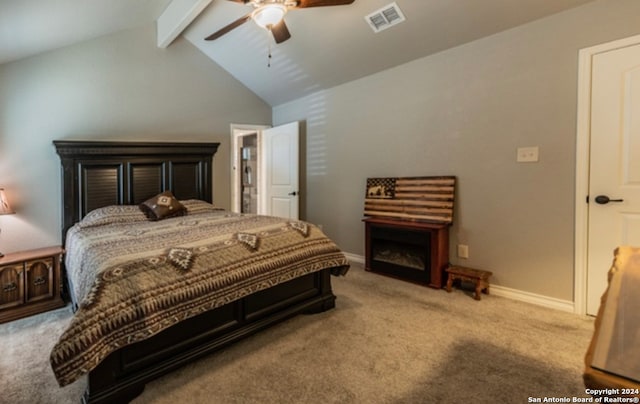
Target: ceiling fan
<point>269,14</point>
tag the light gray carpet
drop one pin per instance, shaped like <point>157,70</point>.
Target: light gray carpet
<point>387,341</point>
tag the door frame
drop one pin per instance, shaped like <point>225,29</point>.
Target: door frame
<point>583,137</point>
<point>237,131</point>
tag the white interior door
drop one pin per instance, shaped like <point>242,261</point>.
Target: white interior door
<point>614,163</point>
<point>281,170</point>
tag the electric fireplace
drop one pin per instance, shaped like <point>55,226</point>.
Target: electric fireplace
<point>407,231</point>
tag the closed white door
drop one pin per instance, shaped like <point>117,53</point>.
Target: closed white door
<point>614,176</point>
<point>281,168</point>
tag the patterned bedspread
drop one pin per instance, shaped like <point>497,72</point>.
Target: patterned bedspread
<point>133,278</point>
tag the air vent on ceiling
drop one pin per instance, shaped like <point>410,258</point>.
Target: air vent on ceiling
<point>385,17</point>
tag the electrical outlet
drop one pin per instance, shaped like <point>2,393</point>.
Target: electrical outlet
<point>527,154</point>
<point>463,251</point>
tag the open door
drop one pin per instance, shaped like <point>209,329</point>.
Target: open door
<point>280,168</point>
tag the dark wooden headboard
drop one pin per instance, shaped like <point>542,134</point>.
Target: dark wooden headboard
<point>97,174</point>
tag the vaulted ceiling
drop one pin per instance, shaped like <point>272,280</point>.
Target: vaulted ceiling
<point>329,45</point>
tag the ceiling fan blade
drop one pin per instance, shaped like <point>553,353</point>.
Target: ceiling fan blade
<point>322,3</point>
<point>228,28</point>
<point>280,32</point>
<point>240,1</point>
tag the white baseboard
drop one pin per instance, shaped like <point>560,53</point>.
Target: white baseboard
<point>528,297</point>
<point>358,259</point>
<point>515,294</point>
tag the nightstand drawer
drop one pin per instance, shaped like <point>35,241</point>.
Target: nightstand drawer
<point>11,286</point>
<point>39,279</point>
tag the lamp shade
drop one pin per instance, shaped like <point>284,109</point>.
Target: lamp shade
<point>269,15</point>
<point>5,209</point>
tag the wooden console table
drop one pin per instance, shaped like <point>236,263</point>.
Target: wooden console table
<point>428,240</point>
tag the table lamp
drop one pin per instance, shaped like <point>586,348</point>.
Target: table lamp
<point>5,209</point>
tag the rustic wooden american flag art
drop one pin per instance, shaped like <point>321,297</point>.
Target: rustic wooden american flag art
<point>427,199</point>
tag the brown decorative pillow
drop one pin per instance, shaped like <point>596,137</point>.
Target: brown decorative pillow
<point>162,206</point>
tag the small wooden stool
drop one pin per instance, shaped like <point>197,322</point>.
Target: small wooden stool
<point>478,276</point>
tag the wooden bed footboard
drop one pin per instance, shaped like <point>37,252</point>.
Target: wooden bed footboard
<point>122,375</point>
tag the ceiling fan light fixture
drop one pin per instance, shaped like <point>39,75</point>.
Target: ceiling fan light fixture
<point>269,15</point>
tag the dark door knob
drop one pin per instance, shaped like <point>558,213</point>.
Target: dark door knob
<point>603,199</point>
<point>294,193</point>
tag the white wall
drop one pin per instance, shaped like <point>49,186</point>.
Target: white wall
<point>464,112</point>
<point>118,87</point>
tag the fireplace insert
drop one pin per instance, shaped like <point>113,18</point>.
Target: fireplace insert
<point>404,253</point>
<point>408,250</point>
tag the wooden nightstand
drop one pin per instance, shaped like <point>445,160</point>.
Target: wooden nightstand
<point>30,283</point>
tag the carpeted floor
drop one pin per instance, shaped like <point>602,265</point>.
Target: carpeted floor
<point>387,341</point>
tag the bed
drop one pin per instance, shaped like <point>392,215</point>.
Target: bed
<point>158,302</point>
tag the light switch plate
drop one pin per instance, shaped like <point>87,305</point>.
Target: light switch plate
<point>463,251</point>
<point>527,154</point>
